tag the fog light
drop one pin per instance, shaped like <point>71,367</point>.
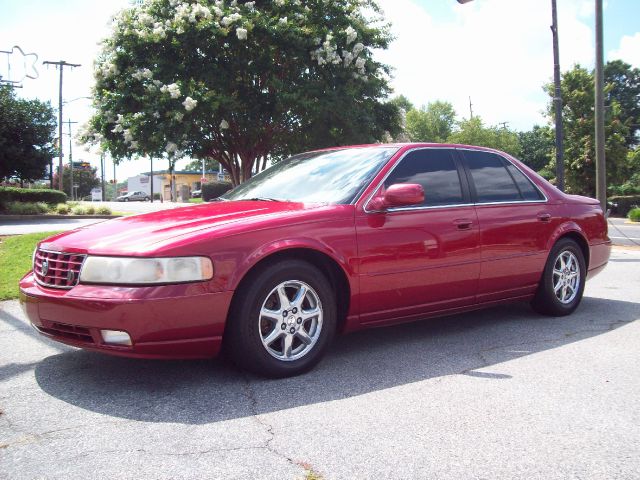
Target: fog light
<point>117,337</point>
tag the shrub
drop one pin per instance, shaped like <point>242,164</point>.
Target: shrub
<point>214,190</point>
<point>90,210</point>
<point>634,215</point>
<point>26,208</point>
<point>78,210</point>
<point>103,211</point>
<point>621,205</point>
<point>156,196</point>
<point>62,209</point>
<point>13,194</point>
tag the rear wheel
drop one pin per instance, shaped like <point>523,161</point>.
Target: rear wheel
<point>562,284</point>
<point>281,323</point>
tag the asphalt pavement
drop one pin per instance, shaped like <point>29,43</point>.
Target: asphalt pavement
<point>502,393</point>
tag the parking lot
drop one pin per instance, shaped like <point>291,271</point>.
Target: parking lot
<point>498,394</point>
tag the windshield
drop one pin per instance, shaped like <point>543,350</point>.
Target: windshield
<point>335,176</point>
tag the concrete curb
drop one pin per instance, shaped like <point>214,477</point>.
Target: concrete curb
<point>55,217</point>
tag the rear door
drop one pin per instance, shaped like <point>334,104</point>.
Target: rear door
<point>421,258</point>
<point>515,224</point>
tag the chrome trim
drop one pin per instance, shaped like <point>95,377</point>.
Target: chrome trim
<point>48,285</point>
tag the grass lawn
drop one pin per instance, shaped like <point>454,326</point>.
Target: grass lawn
<point>195,200</point>
<point>15,261</point>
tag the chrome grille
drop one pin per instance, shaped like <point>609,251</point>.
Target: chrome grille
<point>57,269</point>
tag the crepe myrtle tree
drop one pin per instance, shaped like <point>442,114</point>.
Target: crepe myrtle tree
<point>239,82</point>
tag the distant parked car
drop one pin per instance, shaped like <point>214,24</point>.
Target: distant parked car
<point>196,194</point>
<point>133,197</point>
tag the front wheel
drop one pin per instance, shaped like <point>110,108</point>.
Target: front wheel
<point>283,319</point>
<point>562,284</point>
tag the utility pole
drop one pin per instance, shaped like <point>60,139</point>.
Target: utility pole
<point>151,179</point>
<point>470,104</point>
<point>504,125</point>
<point>557,99</point>
<point>102,174</point>
<point>71,159</point>
<point>60,65</point>
<point>601,175</point>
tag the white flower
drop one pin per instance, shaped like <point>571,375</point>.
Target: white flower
<point>178,116</point>
<point>283,21</point>
<point>360,63</point>
<point>189,104</point>
<point>347,56</point>
<point>117,129</point>
<point>171,148</point>
<point>241,33</point>
<point>128,136</point>
<point>224,125</point>
<point>133,145</point>
<point>280,3</point>
<point>357,48</point>
<point>173,90</point>
<point>351,34</point>
<point>156,115</point>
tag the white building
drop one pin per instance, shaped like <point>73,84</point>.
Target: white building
<point>141,183</point>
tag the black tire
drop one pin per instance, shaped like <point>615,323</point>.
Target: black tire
<point>126,199</point>
<point>546,301</point>
<point>247,326</point>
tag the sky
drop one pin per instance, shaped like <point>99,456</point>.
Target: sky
<point>496,52</point>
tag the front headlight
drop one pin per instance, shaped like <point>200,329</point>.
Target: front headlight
<point>143,271</point>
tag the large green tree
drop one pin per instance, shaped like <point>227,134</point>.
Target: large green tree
<point>537,146</point>
<point>241,81</point>
<point>27,129</point>
<point>578,116</point>
<point>474,132</point>
<point>623,88</point>
<point>85,179</point>
<point>433,123</point>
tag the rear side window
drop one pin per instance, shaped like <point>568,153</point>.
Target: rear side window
<point>492,181</point>
<point>435,170</point>
<point>528,191</point>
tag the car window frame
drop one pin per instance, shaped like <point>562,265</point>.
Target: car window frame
<point>464,183</point>
<point>504,161</point>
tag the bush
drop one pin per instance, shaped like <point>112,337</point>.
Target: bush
<point>214,190</point>
<point>12,194</point>
<point>156,196</point>
<point>78,210</point>
<point>26,208</point>
<point>62,209</point>
<point>634,215</point>
<point>103,211</point>
<point>90,210</point>
<point>622,204</point>
<point>623,190</point>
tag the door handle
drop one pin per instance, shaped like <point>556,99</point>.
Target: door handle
<point>463,223</point>
<point>544,217</point>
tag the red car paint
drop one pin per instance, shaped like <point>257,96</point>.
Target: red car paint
<point>393,266</point>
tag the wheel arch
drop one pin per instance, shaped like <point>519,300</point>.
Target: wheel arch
<point>327,264</point>
<point>572,231</point>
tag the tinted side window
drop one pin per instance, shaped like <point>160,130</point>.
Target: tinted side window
<point>435,170</point>
<point>528,191</point>
<point>492,181</point>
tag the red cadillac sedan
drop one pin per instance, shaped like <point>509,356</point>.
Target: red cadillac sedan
<point>325,241</point>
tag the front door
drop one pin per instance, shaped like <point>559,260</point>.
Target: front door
<point>423,258</point>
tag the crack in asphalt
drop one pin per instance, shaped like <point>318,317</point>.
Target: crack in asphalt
<point>253,405</point>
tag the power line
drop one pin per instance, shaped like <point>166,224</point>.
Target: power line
<point>60,65</point>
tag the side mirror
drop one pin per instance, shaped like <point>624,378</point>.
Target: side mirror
<point>398,195</point>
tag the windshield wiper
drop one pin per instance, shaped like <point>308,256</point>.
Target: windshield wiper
<point>262,199</point>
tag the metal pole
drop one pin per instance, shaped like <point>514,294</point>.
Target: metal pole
<point>115,182</point>
<point>102,174</point>
<point>601,176</point>
<point>557,99</point>
<point>71,162</point>
<point>151,179</point>
<point>60,166</point>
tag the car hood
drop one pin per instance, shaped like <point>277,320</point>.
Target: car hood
<point>157,232</point>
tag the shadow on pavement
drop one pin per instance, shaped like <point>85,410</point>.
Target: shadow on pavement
<point>198,392</point>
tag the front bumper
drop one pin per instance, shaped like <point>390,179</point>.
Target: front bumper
<point>170,321</point>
